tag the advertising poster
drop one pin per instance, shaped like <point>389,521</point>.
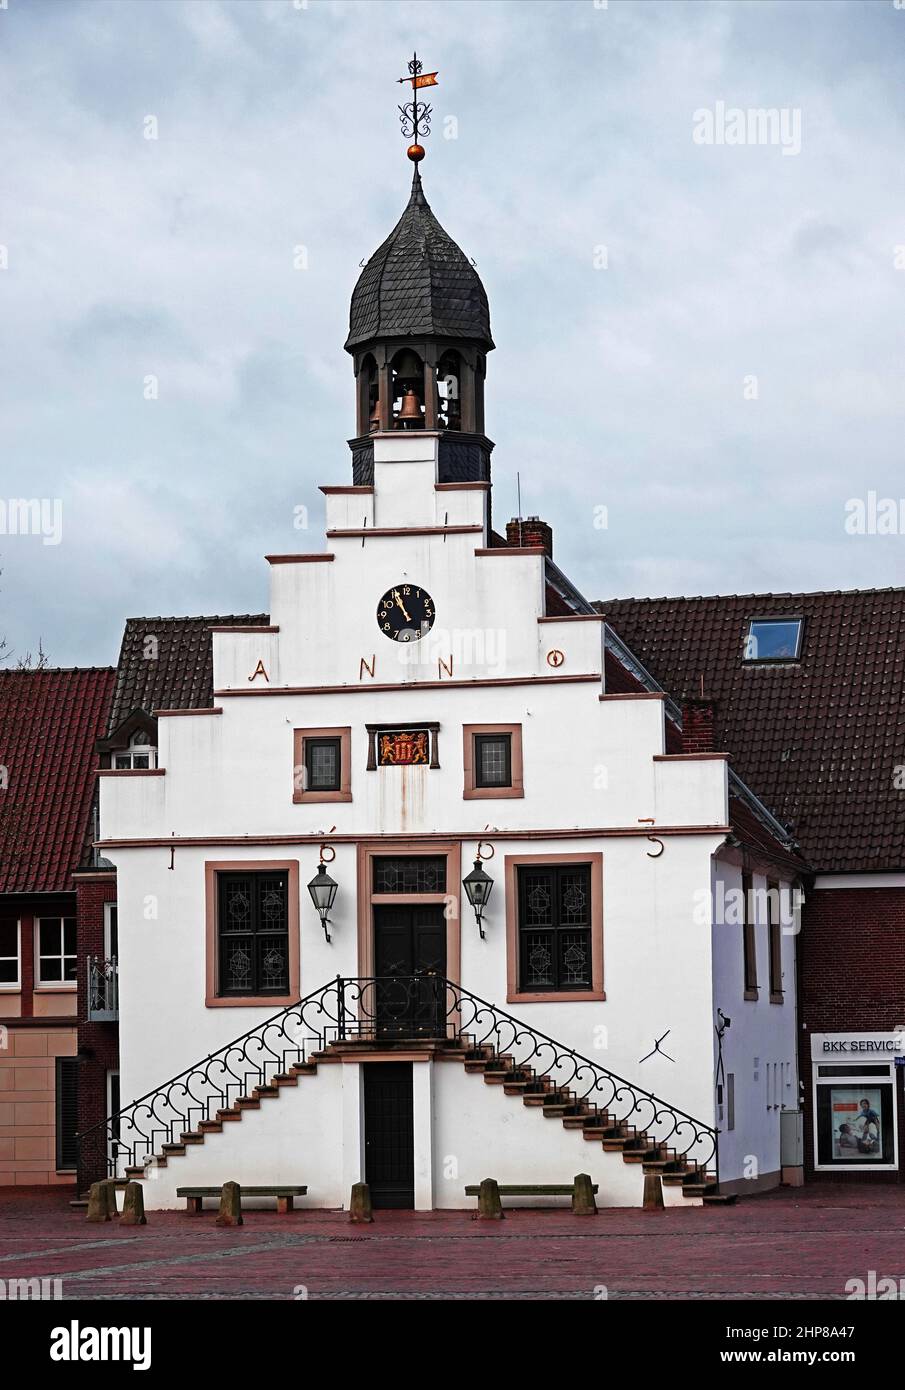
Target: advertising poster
<point>855,1115</point>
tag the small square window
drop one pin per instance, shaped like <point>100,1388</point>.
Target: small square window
<point>492,755</point>
<point>493,760</point>
<point>773,639</point>
<point>323,764</point>
<point>140,756</point>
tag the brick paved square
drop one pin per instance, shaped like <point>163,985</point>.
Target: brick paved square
<point>786,1245</point>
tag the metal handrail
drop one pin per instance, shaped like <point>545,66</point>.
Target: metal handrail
<point>627,1103</point>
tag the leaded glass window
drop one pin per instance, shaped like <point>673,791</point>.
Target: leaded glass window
<point>323,763</point>
<point>493,760</point>
<point>417,873</point>
<point>554,903</point>
<point>253,933</point>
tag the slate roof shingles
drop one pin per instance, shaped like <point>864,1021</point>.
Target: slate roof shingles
<point>175,669</point>
<point>418,282</point>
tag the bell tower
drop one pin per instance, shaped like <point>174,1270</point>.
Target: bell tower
<point>419,331</point>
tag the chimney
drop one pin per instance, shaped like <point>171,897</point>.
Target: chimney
<point>697,726</point>
<point>530,530</point>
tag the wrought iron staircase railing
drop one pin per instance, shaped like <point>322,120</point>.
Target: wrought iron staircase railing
<point>601,1089</point>
<point>383,1009</point>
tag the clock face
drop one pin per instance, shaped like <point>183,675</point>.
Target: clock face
<point>405,613</point>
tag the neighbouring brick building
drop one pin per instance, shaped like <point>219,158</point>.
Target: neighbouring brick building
<point>806,692</point>
<point>49,721</point>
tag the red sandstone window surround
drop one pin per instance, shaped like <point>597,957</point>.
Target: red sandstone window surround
<point>322,765</point>
<point>587,924</point>
<point>492,756</point>
<point>216,874</point>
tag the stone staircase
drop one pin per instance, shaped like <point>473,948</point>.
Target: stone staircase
<point>537,1092</point>
<point>348,1016</point>
<point>596,1126</point>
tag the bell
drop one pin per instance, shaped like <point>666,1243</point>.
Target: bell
<point>374,417</point>
<point>411,410</point>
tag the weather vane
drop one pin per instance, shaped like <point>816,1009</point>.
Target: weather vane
<point>415,115</point>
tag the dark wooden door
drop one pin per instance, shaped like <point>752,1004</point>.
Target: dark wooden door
<point>389,1134</point>
<point>410,964</point>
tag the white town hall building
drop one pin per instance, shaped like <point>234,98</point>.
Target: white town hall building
<point>431,702</point>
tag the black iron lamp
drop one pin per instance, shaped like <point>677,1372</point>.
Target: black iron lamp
<point>477,885</point>
<point>323,890</point>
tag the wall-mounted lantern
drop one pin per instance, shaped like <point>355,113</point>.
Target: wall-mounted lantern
<point>477,886</point>
<point>323,890</point>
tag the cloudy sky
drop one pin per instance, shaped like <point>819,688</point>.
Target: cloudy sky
<point>705,339</point>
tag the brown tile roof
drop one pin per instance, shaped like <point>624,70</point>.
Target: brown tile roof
<point>49,722</point>
<point>173,670</point>
<point>817,739</point>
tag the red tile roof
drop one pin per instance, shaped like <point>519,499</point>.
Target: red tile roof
<point>817,739</point>
<point>49,722</point>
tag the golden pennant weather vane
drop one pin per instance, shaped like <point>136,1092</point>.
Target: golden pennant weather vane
<point>415,115</point>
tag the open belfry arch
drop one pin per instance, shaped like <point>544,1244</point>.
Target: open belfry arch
<point>431,858</point>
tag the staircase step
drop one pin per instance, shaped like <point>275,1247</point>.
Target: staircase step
<point>248,1103</point>
<point>135,1170</point>
<point>191,1136</point>
<point>173,1148</point>
<point>720,1199</point>
<point>268,1090</point>
<point>231,1114</point>
<point>283,1079</point>
<point>211,1126</point>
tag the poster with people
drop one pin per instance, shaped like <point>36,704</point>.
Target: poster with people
<point>856,1123</point>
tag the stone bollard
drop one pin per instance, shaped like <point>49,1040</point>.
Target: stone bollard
<point>101,1201</point>
<point>490,1208</point>
<point>653,1192</point>
<point>133,1206</point>
<point>230,1213</point>
<point>583,1203</point>
<point>360,1204</point>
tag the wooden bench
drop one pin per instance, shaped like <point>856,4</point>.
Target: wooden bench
<point>195,1196</point>
<point>556,1189</point>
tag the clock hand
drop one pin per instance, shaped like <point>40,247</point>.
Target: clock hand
<point>401,605</point>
